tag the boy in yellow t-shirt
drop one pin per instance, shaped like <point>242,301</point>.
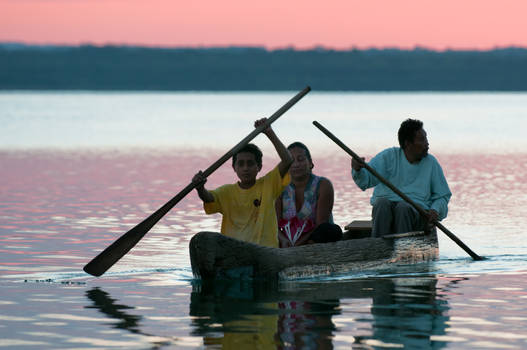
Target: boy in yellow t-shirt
<point>248,205</point>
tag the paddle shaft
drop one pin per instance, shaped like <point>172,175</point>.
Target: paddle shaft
<point>108,257</point>
<point>396,190</point>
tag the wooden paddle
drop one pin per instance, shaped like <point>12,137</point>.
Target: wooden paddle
<point>396,190</point>
<point>123,244</point>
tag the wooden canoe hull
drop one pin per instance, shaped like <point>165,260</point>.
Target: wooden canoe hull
<point>214,255</point>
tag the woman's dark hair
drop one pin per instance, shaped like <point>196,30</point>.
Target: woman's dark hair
<point>249,148</point>
<point>304,147</point>
<point>408,130</point>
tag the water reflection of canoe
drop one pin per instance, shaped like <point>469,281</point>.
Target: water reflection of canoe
<point>395,312</point>
<point>215,255</point>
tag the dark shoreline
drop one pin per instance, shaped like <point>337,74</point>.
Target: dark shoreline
<point>111,68</point>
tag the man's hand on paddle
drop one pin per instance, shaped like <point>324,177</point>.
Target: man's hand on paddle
<point>356,165</point>
<point>432,215</point>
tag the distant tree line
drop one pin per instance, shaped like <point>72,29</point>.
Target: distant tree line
<point>246,68</point>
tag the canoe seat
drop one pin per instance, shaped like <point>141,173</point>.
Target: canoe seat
<point>357,229</point>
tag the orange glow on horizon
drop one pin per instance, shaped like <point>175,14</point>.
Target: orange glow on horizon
<point>338,24</point>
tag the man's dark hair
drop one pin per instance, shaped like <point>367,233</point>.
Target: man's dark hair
<point>304,147</point>
<point>408,130</point>
<point>249,148</point>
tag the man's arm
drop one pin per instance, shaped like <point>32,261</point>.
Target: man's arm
<point>440,206</point>
<point>440,193</point>
<point>363,178</point>
<point>285,157</point>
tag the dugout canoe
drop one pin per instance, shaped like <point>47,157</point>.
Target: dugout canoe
<point>214,255</point>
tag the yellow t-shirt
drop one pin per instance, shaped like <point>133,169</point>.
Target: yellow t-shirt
<point>249,214</point>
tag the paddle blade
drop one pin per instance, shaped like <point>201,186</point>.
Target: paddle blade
<point>108,257</point>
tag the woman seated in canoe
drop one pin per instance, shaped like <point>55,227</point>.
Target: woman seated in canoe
<point>304,207</point>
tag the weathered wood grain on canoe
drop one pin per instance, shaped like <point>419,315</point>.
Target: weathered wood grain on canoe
<point>212,254</point>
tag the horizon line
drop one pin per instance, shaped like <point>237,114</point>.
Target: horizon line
<point>256,46</point>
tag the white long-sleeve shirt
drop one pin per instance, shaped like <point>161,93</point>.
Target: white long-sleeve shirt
<point>424,182</point>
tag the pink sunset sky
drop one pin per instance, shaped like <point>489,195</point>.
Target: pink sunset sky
<point>339,24</point>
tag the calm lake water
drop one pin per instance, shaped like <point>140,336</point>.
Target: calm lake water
<point>79,169</point>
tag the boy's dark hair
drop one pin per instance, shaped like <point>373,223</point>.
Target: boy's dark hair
<point>249,148</point>
<point>408,130</point>
<point>304,147</point>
